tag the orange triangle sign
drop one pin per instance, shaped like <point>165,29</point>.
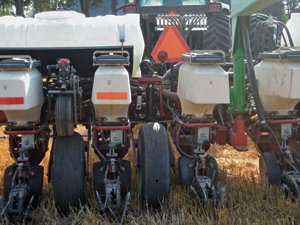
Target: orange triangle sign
<point>172,44</point>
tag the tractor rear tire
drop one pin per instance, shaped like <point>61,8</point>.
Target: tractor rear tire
<point>64,115</point>
<point>218,34</point>
<point>68,172</point>
<point>186,174</point>
<point>269,168</point>
<point>154,164</point>
<point>254,20</point>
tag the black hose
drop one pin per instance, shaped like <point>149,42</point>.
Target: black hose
<point>172,76</point>
<point>251,73</point>
<point>287,33</point>
<point>170,95</point>
<point>168,74</point>
<point>262,31</point>
<point>177,138</point>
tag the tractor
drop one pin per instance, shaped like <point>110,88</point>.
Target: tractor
<point>204,24</point>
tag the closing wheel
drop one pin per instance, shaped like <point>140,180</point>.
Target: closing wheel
<point>64,115</point>
<point>296,160</point>
<point>125,178</point>
<point>269,169</point>
<point>293,183</point>
<point>35,183</point>
<point>98,179</point>
<point>99,175</point>
<point>7,181</point>
<point>68,172</point>
<point>212,168</point>
<point>36,155</point>
<point>154,162</point>
<point>185,173</point>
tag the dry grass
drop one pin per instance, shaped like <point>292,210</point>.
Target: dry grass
<point>248,201</point>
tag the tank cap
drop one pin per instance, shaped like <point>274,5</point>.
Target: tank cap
<point>287,54</point>
<point>111,58</point>
<point>19,64</point>
<point>208,57</point>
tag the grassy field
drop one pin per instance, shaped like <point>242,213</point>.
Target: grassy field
<point>248,200</point>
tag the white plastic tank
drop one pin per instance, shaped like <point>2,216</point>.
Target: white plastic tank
<point>292,25</point>
<point>278,76</point>
<point>202,84</point>
<point>111,94</point>
<point>67,29</point>
<point>21,94</point>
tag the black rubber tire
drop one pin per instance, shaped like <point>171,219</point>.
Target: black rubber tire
<point>185,173</point>
<point>296,159</point>
<point>68,172</point>
<point>212,168</point>
<point>125,178</point>
<point>293,186</point>
<point>36,155</point>
<point>269,168</point>
<point>154,162</point>
<point>218,34</point>
<point>254,20</point>
<point>7,180</point>
<point>64,115</point>
<point>36,184</point>
<point>98,179</point>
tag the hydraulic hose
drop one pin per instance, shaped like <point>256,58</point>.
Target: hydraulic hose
<point>261,31</point>
<point>168,74</point>
<point>172,75</point>
<point>170,95</point>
